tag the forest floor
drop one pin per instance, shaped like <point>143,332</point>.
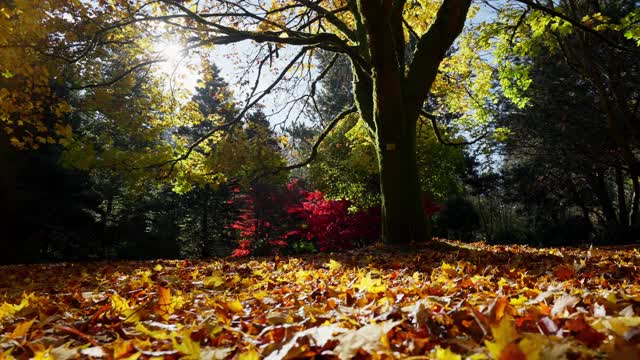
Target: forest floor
<point>447,300</point>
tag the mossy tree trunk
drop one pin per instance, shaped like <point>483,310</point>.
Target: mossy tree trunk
<point>390,98</point>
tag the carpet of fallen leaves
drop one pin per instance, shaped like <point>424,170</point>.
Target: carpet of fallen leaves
<point>445,300</point>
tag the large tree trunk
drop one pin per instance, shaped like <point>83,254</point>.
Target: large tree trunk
<point>402,217</point>
<point>390,96</point>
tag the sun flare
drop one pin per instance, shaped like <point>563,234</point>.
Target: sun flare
<point>176,65</point>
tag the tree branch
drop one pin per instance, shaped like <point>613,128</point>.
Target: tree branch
<point>316,145</point>
<point>323,40</point>
<point>235,120</point>
<point>441,140</point>
<point>117,78</point>
<point>331,17</point>
<point>433,46</point>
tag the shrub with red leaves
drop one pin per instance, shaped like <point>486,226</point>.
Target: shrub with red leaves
<point>265,218</point>
<point>332,227</point>
<point>281,217</point>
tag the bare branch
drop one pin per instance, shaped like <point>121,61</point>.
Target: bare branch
<point>331,17</point>
<point>117,78</point>
<point>436,131</point>
<point>323,40</point>
<point>316,145</point>
<point>235,120</point>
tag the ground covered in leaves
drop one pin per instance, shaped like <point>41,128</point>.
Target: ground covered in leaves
<point>443,301</point>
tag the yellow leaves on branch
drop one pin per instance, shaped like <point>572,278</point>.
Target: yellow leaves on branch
<point>28,105</point>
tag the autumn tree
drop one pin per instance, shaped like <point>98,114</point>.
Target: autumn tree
<point>564,157</point>
<point>399,51</point>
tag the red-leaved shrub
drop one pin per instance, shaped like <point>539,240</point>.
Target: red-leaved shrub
<point>276,218</point>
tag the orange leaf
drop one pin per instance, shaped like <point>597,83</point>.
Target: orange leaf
<point>564,272</point>
<point>164,303</point>
<point>22,329</point>
<point>512,352</point>
<point>500,304</point>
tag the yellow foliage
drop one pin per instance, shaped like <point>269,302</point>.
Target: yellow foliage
<point>8,310</point>
<point>504,333</point>
<point>121,306</point>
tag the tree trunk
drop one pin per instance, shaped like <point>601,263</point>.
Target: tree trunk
<point>402,217</point>
<point>635,207</point>
<point>389,96</point>
<point>623,213</point>
<point>599,187</point>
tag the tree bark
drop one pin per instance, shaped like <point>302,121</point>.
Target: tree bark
<point>390,99</point>
<point>403,220</point>
<point>599,187</point>
<point>623,213</point>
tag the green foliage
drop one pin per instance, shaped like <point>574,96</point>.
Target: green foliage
<point>347,165</point>
<point>440,167</point>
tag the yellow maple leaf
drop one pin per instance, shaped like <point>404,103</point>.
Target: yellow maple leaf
<point>189,348</point>
<point>121,306</point>
<point>215,280</point>
<point>156,334</point>
<point>7,310</point>
<point>333,265</point>
<point>532,345</point>
<point>375,286</point>
<point>43,355</point>
<point>260,294</point>
<point>504,333</point>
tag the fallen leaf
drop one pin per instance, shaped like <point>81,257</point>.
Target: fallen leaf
<point>504,333</point>
<point>512,352</point>
<point>562,303</point>
<point>164,303</point>
<point>445,354</point>
<point>214,281</point>
<point>21,329</point>
<point>564,272</point>
<point>367,338</point>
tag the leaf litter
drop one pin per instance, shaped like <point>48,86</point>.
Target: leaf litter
<point>446,300</point>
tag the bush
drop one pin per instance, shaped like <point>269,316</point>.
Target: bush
<point>458,218</point>
<point>299,220</point>
<point>333,227</point>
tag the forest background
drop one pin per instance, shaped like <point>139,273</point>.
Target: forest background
<point>529,134</point>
